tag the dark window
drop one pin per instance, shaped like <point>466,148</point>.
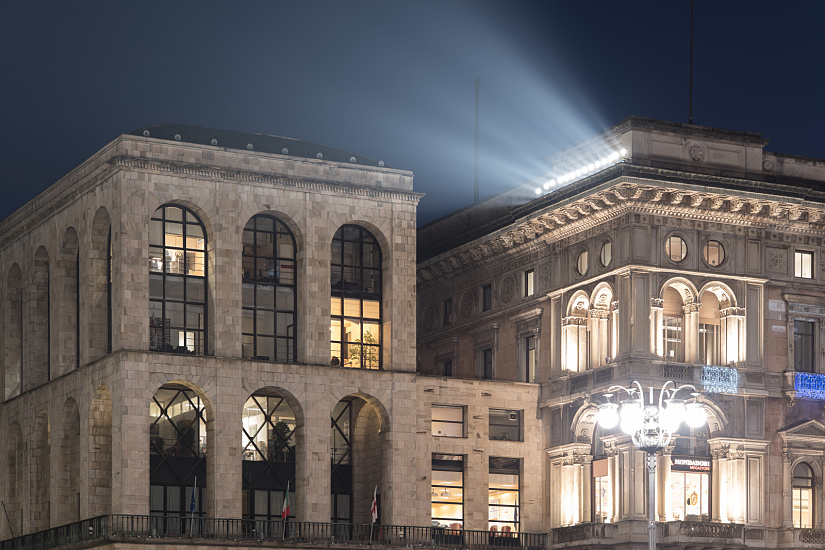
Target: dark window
<point>530,358</point>
<point>503,496</point>
<point>528,282</point>
<point>356,299</point>
<point>342,479</point>
<point>177,281</point>
<point>269,298</point>
<point>505,425</point>
<point>486,297</point>
<point>447,502</point>
<point>448,311</point>
<point>487,364</point>
<point>447,367</point>
<point>803,349</point>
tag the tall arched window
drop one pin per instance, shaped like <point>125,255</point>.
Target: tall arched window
<point>803,496</point>
<point>269,301</point>
<point>356,299</point>
<point>268,457</point>
<point>177,281</point>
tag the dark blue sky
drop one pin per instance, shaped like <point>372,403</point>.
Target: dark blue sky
<point>395,80</point>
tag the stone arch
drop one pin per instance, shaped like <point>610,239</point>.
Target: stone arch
<point>68,482</point>
<point>578,304</point>
<point>575,350</point>
<point>723,293</point>
<point>685,288</point>
<point>99,477</point>
<point>717,419</point>
<point>361,454</point>
<point>41,473</point>
<point>39,323</point>
<point>602,296</point>
<point>67,324</point>
<point>15,477</point>
<point>13,332</point>
<point>604,326</point>
<point>99,287</point>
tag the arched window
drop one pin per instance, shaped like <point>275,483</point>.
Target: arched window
<point>268,457</point>
<point>177,281</point>
<point>803,496</point>
<point>356,299</point>
<point>13,327</point>
<point>177,447</point>
<point>673,325</point>
<point>269,301</point>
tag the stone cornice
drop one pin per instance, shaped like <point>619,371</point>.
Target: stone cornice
<point>244,176</point>
<point>627,194</point>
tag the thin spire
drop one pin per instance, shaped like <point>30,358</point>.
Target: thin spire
<point>690,85</point>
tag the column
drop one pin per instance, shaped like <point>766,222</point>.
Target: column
<point>665,494</point>
<point>657,337</point>
<point>736,488</point>
<point>787,504</point>
<point>586,485</point>
<point>613,483</point>
<point>715,505</point>
<point>690,332</point>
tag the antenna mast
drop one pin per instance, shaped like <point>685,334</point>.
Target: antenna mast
<point>475,176</point>
<point>690,85</point>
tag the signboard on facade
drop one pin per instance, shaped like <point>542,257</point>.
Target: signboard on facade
<point>690,464</point>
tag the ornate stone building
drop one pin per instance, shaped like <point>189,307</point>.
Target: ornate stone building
<point>242,314</point>
<point>655,251</point>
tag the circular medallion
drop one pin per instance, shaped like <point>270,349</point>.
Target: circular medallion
<point>466,304</point>
<point>507,289</point>
<point>428,319</point>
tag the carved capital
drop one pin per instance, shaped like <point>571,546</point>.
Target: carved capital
<point>658,303</point>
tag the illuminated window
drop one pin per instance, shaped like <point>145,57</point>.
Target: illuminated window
<point>505,425</point>
<point>268,450</point>
<point>714,253</point>
<point>803,346</point>
<point>689,488</point>
<point>448,421</point>
<point>177,281</point>
<point>486,297</point>
<point>529,358</point>
<point>673,338</point>
<point>269,301</point>
<point>606,254</point>
<point>803,264</point>
<point>582,262</point>
<point>448,311</point>
<point>601,491</point>
<point>355,329</point>
<point>447,490</point>
<point>503,496</point>
<point>709,343</point>
<point>528,282</point>
<point>803,496</point>
<point>675,248</point>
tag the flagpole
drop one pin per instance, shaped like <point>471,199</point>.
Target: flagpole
<point>192,506</point>
<point>285,509</point>
<point>374,510</point>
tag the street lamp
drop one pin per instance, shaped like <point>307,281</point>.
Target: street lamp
<point>651,426</point>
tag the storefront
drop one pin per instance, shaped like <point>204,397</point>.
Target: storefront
<point>690,488</point>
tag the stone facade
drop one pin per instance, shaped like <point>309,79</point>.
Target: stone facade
<point>652,252</point>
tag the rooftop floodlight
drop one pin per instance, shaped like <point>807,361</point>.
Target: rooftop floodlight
<point>538,190</point>
<point>623,151</point>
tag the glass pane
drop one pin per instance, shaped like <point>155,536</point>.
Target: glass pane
<point>174,288</point>
<point>266,296</point>
<point>372,309</point>
<point>352,308</point>
<point>285,299</point>
<point>286,324</point>
<point>155,233</point>
<point>155,259</point>
<point>173,213</point>
<point>156,286</point>
<point>195,289</point>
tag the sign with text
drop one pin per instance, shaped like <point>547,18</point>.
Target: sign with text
<point>690,464</point>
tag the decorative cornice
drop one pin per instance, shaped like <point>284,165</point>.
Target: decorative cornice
<point>245,176</point>
<point>573,219</point>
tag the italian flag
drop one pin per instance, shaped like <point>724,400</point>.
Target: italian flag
<point>285,507</point>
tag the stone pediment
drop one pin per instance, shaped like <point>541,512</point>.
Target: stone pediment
<point>811,430</point>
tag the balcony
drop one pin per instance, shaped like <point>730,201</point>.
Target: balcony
<point>674,534</point>
<point>177,531</point>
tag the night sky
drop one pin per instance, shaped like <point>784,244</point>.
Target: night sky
<point>394,80</point>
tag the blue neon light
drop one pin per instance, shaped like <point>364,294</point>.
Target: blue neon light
<point>809,386</point>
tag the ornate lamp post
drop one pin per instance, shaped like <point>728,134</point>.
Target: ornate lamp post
<point>651,426</point>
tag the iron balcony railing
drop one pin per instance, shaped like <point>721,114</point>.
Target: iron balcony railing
<point>181,529</point>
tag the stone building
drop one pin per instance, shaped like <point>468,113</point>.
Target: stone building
<point>655,251</point>
<point>168,311</point>
<point>249,315</point>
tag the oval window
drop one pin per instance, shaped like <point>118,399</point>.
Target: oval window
<point>676,248</point>
<point>606,255</point>
<point>714,253</point>
<point>581,262</point>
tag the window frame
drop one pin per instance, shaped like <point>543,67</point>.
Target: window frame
<point>721,252</point>
<point>454,408</point>
<point>487,297</point>
<point>442,462</point>
<point>669,240</point>
<point>606,246</point>
<point>583,257</point>
<point>529,281</point>
<point>447,312</point>
<point>799,257</point>
<point>503,466</point>
<point>796,490</point>
<point>519,427</point>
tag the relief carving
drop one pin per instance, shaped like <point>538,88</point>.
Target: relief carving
<point>777,260</point>
<point>507,289</point>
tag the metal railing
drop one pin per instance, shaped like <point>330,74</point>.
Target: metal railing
<point>182,529</point>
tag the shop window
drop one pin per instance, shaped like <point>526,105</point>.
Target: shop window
<point>503,496</point>
<point>177,281</point>
<point>803,264</point>
<point>690,487</point>
<point>505,425</point>
<point>529,277</point>
<point>803,496</point>
<point>601,491</point>
<point>803,349</point>
<point>447,501</point>
<point>675,248</point>
<point>269,298</point>
<point>448,421</point>
<point>356,299</point>
<point>486,297</point>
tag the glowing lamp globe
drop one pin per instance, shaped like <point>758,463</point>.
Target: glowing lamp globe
<point>608,416</point>
<point>632,417</point>
<point>695,415</point>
